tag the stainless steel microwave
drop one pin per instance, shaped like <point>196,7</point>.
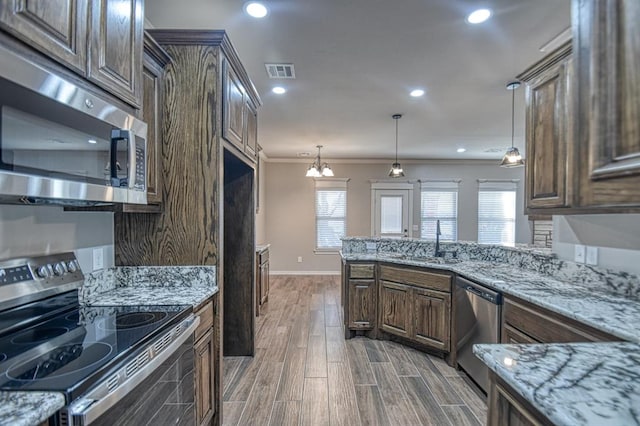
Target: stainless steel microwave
<point>60,144</point>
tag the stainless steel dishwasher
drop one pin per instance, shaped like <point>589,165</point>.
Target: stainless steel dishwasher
<point>478,311</point>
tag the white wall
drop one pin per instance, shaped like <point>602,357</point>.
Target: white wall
<point>290,220</point>
<point>261,212</point>
<point>36,230</point>
<point>617,237</point>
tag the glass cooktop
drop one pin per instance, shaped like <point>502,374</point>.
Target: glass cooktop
<point>71,350</point>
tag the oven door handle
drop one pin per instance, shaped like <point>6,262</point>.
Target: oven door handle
<point>96,402</point>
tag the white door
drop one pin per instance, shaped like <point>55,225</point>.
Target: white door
<point>391,212</point>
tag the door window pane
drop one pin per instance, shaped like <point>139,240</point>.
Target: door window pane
<point>391,215</point>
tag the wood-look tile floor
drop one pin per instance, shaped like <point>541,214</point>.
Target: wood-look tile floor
<point>305,372</point>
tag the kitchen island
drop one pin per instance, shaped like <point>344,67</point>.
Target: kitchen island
<point>555,380</point>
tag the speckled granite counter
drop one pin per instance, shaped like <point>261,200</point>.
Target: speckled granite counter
<point>28,408</point>
<point>262,247</point>
<point>572,384</point>
<point>151,285</point>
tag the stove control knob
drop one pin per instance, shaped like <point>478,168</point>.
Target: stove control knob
<point>42,271</point>
<point>58,269</point>
<point>72,266</point>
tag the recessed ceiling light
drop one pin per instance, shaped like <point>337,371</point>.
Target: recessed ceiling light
<point>479,16</point>
<point>417,93</point>
<point>279,90</point>
<point>92,141</point>
<point>461,150</point>
<point>256,9</point>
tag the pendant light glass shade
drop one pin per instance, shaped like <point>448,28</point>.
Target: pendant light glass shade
<point>318,168</point>
<point>512,157</point>
<point>396,169</point>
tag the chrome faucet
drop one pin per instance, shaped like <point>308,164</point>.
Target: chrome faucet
<point>438,253</point>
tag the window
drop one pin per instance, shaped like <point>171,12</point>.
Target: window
<point>497,212</point>
<point>331,213</point>
<point>439,201</point>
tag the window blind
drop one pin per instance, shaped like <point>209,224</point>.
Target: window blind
<point>439,204</point>
<point>331,213</point>
<point>497,213</point>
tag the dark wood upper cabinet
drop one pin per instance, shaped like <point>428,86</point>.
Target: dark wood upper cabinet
<point>55,27</point>
<point>549,131</point>
<point>233,113</point>
<point>251,136</point>
<point>115,64</point>
<point>155,59</point>
<point>606,35</point>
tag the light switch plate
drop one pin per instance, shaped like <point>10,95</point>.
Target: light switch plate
<point>98,258</point>
<point>580,252</point>
<point>592,255</point>
<point>299,259</point>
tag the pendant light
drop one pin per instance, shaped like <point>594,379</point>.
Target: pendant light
<point>396,169</point>
<point>318,168</point>
<point>512,157</point>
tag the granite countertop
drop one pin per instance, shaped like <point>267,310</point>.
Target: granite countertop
<point>599,308</point>
<point>149,295</point>
<point>28,408</point>
<point>572,384</point>
<point>262,247</point>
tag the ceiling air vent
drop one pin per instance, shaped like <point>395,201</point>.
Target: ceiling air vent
<point>280,70</point>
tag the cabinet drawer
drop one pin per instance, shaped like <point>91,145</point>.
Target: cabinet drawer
<point>361,271</point>
<point>549,327</point>
<point>206,319</point>
<point>417,278</point>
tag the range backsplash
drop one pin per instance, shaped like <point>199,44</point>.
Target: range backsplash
<point>146,276</point>
<point>535,259</point>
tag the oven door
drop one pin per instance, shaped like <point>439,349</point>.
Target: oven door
<point>152,387</point>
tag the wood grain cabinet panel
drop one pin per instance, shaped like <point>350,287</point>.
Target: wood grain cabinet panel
<point>549,131</point>
<point>606,35</point>
<point>205,378</point>
<point>233,108</point>
<point>395,308</point>
<point>512,335</point>
<point>358,271</point>
<point>506,408</point>
<point>262,279</point>
<point>432,318</point>
<point>55,27</point>
<point>251,129</point>
<point>116,31</point>
<point>362,304</point>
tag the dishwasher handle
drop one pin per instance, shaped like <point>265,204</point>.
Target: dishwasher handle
<point>480,291</point>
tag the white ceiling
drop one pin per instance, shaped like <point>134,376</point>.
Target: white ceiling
<point>357,60</point>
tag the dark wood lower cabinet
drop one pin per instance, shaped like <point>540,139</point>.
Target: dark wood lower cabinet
<point>506,408</point>
<point>432,318</point>
<point>395,308</point>
<point>362,304</point>
<point>205,351</point>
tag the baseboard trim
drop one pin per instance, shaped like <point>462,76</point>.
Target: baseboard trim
<point>304,272</point>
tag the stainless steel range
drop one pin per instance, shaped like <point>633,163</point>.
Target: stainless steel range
<point>115,365</point>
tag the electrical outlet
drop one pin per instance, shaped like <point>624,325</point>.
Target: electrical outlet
<point>98,258</point>
<point>370,246</point>
<point>592,255</point>
<point>299,259</point>
<point>579,255</point>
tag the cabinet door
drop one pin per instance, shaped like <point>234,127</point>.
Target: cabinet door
<point>264,282</point>
<point>251,130</point>
<point>432,318</point>
<point>606,35</point>
<point>55,27</point>
<point>362,304</point>
<point>233,108</point>
<point>395,308</point>
<point>505,410</point>
<point>152,109</point>
<point>205,379</point>
<point>548,136</point>
<point>116,47</point>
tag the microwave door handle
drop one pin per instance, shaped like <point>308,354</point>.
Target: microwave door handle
<point>132,158</point>
<point>113,158</point>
